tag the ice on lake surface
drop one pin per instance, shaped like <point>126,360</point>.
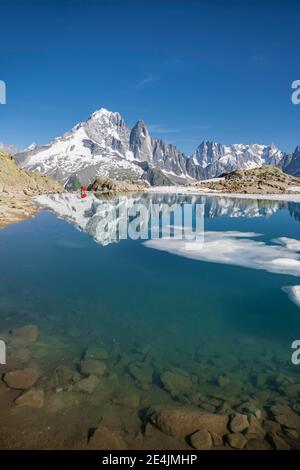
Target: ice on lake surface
<point>206,324</point>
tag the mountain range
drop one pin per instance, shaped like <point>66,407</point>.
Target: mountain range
<point>105,146</point>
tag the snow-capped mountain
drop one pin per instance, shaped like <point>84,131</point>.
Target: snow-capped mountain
<point>215,159</point>
<point>97,147</point>
<point>291,163</point>
<point>104,146</point>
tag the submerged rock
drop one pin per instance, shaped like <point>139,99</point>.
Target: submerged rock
<point>223,381</point>
<point>59,402</point>
<point>250,408</point>
<point>141,372</point>
<point>92,367</point>
<point>201,440</point>
<point>292,391</point>
<point>66,376</point>
<point>285,416</point>
<point>96,352</point>
<point>87,385</point>
<point>277,442</point>
<point>236,440</point>
<point>27,333</point>
<point>255,429</point>
<point>74,332</point>
<point>291,433</point>
<point>239,423</point>
<point>273,426</point>
<point>21,379</point>
<point>258,444</point>
<point>217,439</point>
<point>33,398</point>
<point>104,439</point>
<point>176,381</point>
<point>20,356</point>
<point>182,422</point>
<point>131,401</point>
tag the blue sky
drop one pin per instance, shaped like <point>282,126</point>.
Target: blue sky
<point>193,70</point>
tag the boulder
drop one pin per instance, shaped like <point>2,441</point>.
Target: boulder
<point>96,352</point>
<point>33,398</point>
<point>21,379</point>
<point>258,444</point>
<point>255,429</point>
<point>236,440</point>
<point>92,367</point>
<point>130,401</point>
<point>291,433</point>
<point>216,439</point>
<point>285,416</point>
<point>182,422</point>
<point>20,356</point>
<point>201,440</point>
<point>87,385</point>
<point>104,439</point>
<point>176,382</point>
<point>66,376</point>
<point>27,333</point>
<point>239,423</point>
<point>223,381</point>
<point>277,442</point>
<point>292,391</point>
<point>141,372</point>
<point>270,425</point>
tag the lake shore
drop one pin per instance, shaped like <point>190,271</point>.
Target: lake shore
<point>15,208</point>
<point>195,190</point>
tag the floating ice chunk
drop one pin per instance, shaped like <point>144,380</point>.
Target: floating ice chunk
<point>238,249</point>
<point>293,293</point>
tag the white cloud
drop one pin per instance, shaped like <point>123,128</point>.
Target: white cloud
<point>146,81</point>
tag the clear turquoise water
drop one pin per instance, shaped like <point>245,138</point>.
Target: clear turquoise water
<point>232,320</point>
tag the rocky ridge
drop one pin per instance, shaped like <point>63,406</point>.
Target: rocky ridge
<point>17,187</point>
<point>264,180</point>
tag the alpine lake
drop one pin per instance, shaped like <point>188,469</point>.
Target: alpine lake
<point>139,343</point>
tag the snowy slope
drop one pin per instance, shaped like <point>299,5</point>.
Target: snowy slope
<point>215,158</point>
<point>105,146</point>
<point>100,143</point>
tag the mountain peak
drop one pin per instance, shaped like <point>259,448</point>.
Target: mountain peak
<point>101,112</point>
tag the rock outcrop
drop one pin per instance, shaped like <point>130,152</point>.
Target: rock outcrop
<point>17,187</point>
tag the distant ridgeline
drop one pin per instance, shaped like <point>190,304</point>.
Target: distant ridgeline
<point>104,146</point>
